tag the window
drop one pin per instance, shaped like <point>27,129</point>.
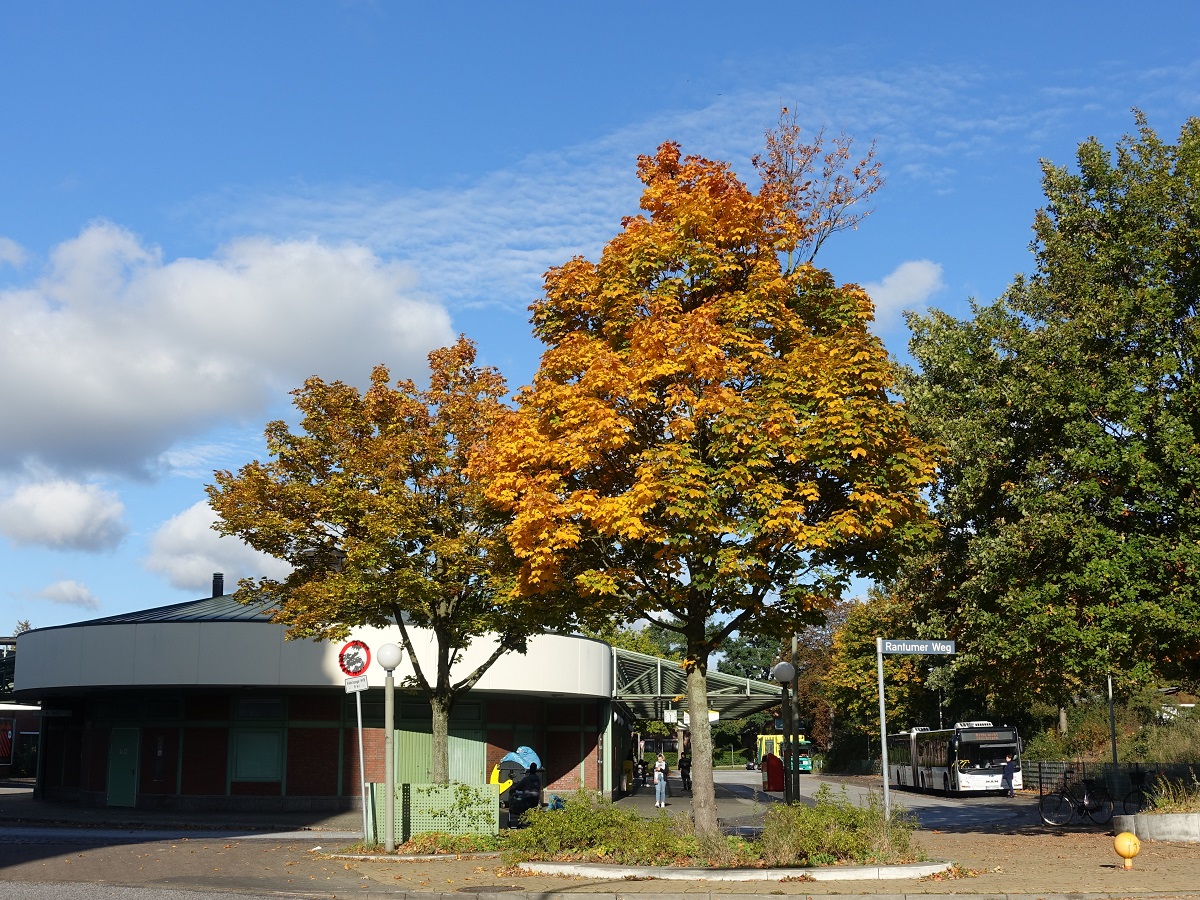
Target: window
<point>260,708</point>
<point>257,755</point>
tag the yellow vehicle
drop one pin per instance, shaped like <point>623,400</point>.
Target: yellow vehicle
<point>773,743</point>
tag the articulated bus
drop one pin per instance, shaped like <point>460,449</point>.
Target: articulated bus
<point>773,743</point>
<point>967,757</point>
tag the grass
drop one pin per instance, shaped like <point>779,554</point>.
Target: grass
<point>1176,795</point>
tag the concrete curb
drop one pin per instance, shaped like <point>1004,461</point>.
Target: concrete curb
<point>1160,826</point>
<point>573,894</point>
<point>670,873</point>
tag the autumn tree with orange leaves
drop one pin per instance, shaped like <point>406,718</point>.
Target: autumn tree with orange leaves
<point>710,437</point>
<point>371,506</point>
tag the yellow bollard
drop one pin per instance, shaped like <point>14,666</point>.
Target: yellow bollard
<point>1127,846</point>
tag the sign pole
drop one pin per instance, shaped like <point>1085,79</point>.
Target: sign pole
<point>883,758</point>
<point>362,766</point>
<point>354,658</point>
<point>916,646</point>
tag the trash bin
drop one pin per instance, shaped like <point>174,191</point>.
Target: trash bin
<point>772,772</point>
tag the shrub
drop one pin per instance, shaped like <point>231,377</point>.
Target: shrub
<point>431,842</point>
<point>1180,795</point>
<point>836,830</point>
<point>590,828</point>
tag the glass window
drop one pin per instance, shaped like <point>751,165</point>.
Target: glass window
<point>260,708</point>
<point>258,755</point>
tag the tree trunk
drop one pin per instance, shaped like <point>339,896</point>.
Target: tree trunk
<point>440,766</point>
<point>704,806</point>
<point>1062,720</point>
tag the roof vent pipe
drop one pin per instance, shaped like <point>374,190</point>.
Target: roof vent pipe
<point>218,584</point>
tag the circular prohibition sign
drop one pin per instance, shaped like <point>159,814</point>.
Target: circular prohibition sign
<point>354,658</point>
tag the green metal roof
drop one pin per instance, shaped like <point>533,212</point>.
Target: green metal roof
<point>648,686</point>
<point>210,609</point>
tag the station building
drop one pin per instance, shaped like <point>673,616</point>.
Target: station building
<point>205,705</point>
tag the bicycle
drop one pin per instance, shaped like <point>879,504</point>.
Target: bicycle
<point>1059,807</point>
<point>1139,799</point>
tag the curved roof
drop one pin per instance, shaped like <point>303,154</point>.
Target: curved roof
<point>210,609</point>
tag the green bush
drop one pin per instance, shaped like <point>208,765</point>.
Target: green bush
<point>836,830</point>
<point>1171,795</point>
<point>833,831</point>
<point>592,829</point>
<point>438,842</point>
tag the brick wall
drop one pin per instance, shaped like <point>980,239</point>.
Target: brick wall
<point>205,761</point>
<point>561,760</point>
<point>312,762</point>
<point>95,759</point>
<point>213,707</point>
<point>372,750</point>
<point>315,707</point>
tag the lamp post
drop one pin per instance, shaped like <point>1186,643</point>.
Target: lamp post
<point>784,672</point>
<point>389,657</point>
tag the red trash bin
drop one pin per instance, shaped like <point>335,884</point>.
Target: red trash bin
<point>772,772</point>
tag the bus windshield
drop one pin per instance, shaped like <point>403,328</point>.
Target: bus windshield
<point>973,755</point>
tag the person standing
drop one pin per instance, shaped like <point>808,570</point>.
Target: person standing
<point>660,782</point>
<point>685,770</point>
<point>1006,779</point>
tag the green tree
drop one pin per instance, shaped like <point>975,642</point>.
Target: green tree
<point>371,505</point>
<point>709,437</point>
<point>1070,414</point>
<point>750,655</point>
<point>851,683</point>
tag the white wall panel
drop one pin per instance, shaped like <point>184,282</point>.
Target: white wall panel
<point>255,653</point>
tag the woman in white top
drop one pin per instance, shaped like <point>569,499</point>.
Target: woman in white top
<point>660,782</point>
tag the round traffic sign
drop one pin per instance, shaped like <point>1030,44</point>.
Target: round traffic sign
<point>354,658</point>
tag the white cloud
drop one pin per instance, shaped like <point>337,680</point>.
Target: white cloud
<point>909,286</point>
<point>11,252</point>
<point>115,355</point>
<point>187,551</point>
<point>63,515</point>
<point>69,593</point>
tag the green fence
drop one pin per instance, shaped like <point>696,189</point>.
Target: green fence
<point>448,808</point>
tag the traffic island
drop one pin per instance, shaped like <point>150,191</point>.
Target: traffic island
<point>671,873</point>
<point>1184,827</point>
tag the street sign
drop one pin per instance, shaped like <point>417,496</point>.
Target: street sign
<point>356,683</point>
<point>354,658</point>
<point>926,648</point>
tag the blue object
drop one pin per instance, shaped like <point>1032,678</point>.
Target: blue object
<point>523,755</point>
<point>556,802</point>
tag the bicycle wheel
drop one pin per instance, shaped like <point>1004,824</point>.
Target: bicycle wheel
<point>1056,808</point>
<point>1099,806</point>
<point>1134,802</point>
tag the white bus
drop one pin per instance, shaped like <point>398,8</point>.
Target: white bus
<point>968,757</point>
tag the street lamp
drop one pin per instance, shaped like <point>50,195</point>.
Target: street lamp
<point>784,672</point>
<point>389,657</point>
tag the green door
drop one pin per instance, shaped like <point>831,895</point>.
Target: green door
<point>123,766</point>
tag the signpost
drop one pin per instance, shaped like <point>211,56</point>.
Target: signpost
<point>887,645</point>
<point>353,659</point>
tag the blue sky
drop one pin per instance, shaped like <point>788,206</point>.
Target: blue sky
<point>202,203</point>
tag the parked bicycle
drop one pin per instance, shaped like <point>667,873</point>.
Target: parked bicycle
<point>1139,798</point>
<point>1088,800</point>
